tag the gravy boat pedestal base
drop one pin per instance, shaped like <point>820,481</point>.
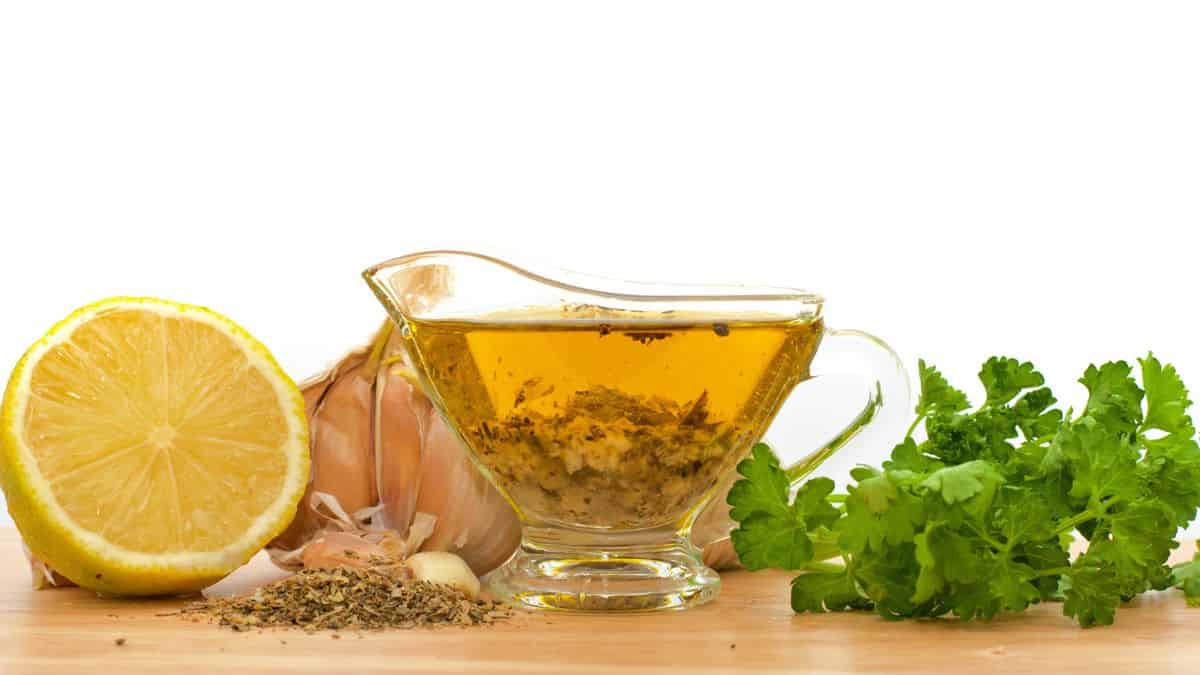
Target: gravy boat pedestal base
<point>585,571</point>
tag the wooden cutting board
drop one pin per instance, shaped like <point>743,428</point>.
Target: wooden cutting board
<point>750,628</point>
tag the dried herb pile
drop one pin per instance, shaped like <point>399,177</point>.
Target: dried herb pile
<point>349,599</point>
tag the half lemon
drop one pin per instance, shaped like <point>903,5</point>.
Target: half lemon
<point>150,447</point>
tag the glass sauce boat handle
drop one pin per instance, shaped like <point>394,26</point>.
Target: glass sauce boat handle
<point>881,421</point>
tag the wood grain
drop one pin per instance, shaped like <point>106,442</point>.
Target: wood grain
<point>749,628</point>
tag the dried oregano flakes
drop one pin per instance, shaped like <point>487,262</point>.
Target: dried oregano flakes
<point>349,599</point>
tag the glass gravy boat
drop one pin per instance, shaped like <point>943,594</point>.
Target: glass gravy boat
<point>610,418</point>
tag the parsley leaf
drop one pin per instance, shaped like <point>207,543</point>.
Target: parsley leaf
<point>765,489</point>
<point>1032,415</point>
<point>945,556</point>
<point>1004,378</point>
<point>826,592</point>
<point>1103,464</point>
<point>1143,534</point>
<point>964,481</point>
<point>773,532</point>
<point>1166,398</point>
<point>908,457</point>
<point>1023,515</point>
<point>1171,472</point>
<point>1092,593</point>
<point>936,393</point>
<point>878,511</point>
<point>1114,399</point>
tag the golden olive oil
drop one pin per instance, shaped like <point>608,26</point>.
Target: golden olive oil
<point>619,424</point>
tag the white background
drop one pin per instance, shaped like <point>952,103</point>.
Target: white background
<point>961,178</point>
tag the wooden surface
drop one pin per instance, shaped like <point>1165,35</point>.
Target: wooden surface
<point>749,628</point>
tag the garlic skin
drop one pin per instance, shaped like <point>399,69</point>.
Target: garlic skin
<point>440,567</point>
<point>338,549</point>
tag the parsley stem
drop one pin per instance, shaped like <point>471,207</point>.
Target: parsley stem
<point>1074,521</point>
<point>819,566</point>
<point>1084,516</point>
<point>913,427</point>
<point>1053,571</point>
<point>988,540</point>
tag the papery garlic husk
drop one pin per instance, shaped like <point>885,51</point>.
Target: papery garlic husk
<point>42,575</point>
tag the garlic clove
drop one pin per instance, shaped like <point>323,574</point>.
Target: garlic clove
<point>474,521</point>
<point>400,412</point>
<point>720,555</point>
<point>307,524</point>
<point>343,462</point>
<point>440,567</point>
<point>710,532</point>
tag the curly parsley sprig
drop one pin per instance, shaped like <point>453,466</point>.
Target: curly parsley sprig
<point>978,517</point>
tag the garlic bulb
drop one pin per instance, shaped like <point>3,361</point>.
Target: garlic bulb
<point>383,460</point>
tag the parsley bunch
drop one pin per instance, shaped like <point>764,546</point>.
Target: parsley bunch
<point>978,518</point>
